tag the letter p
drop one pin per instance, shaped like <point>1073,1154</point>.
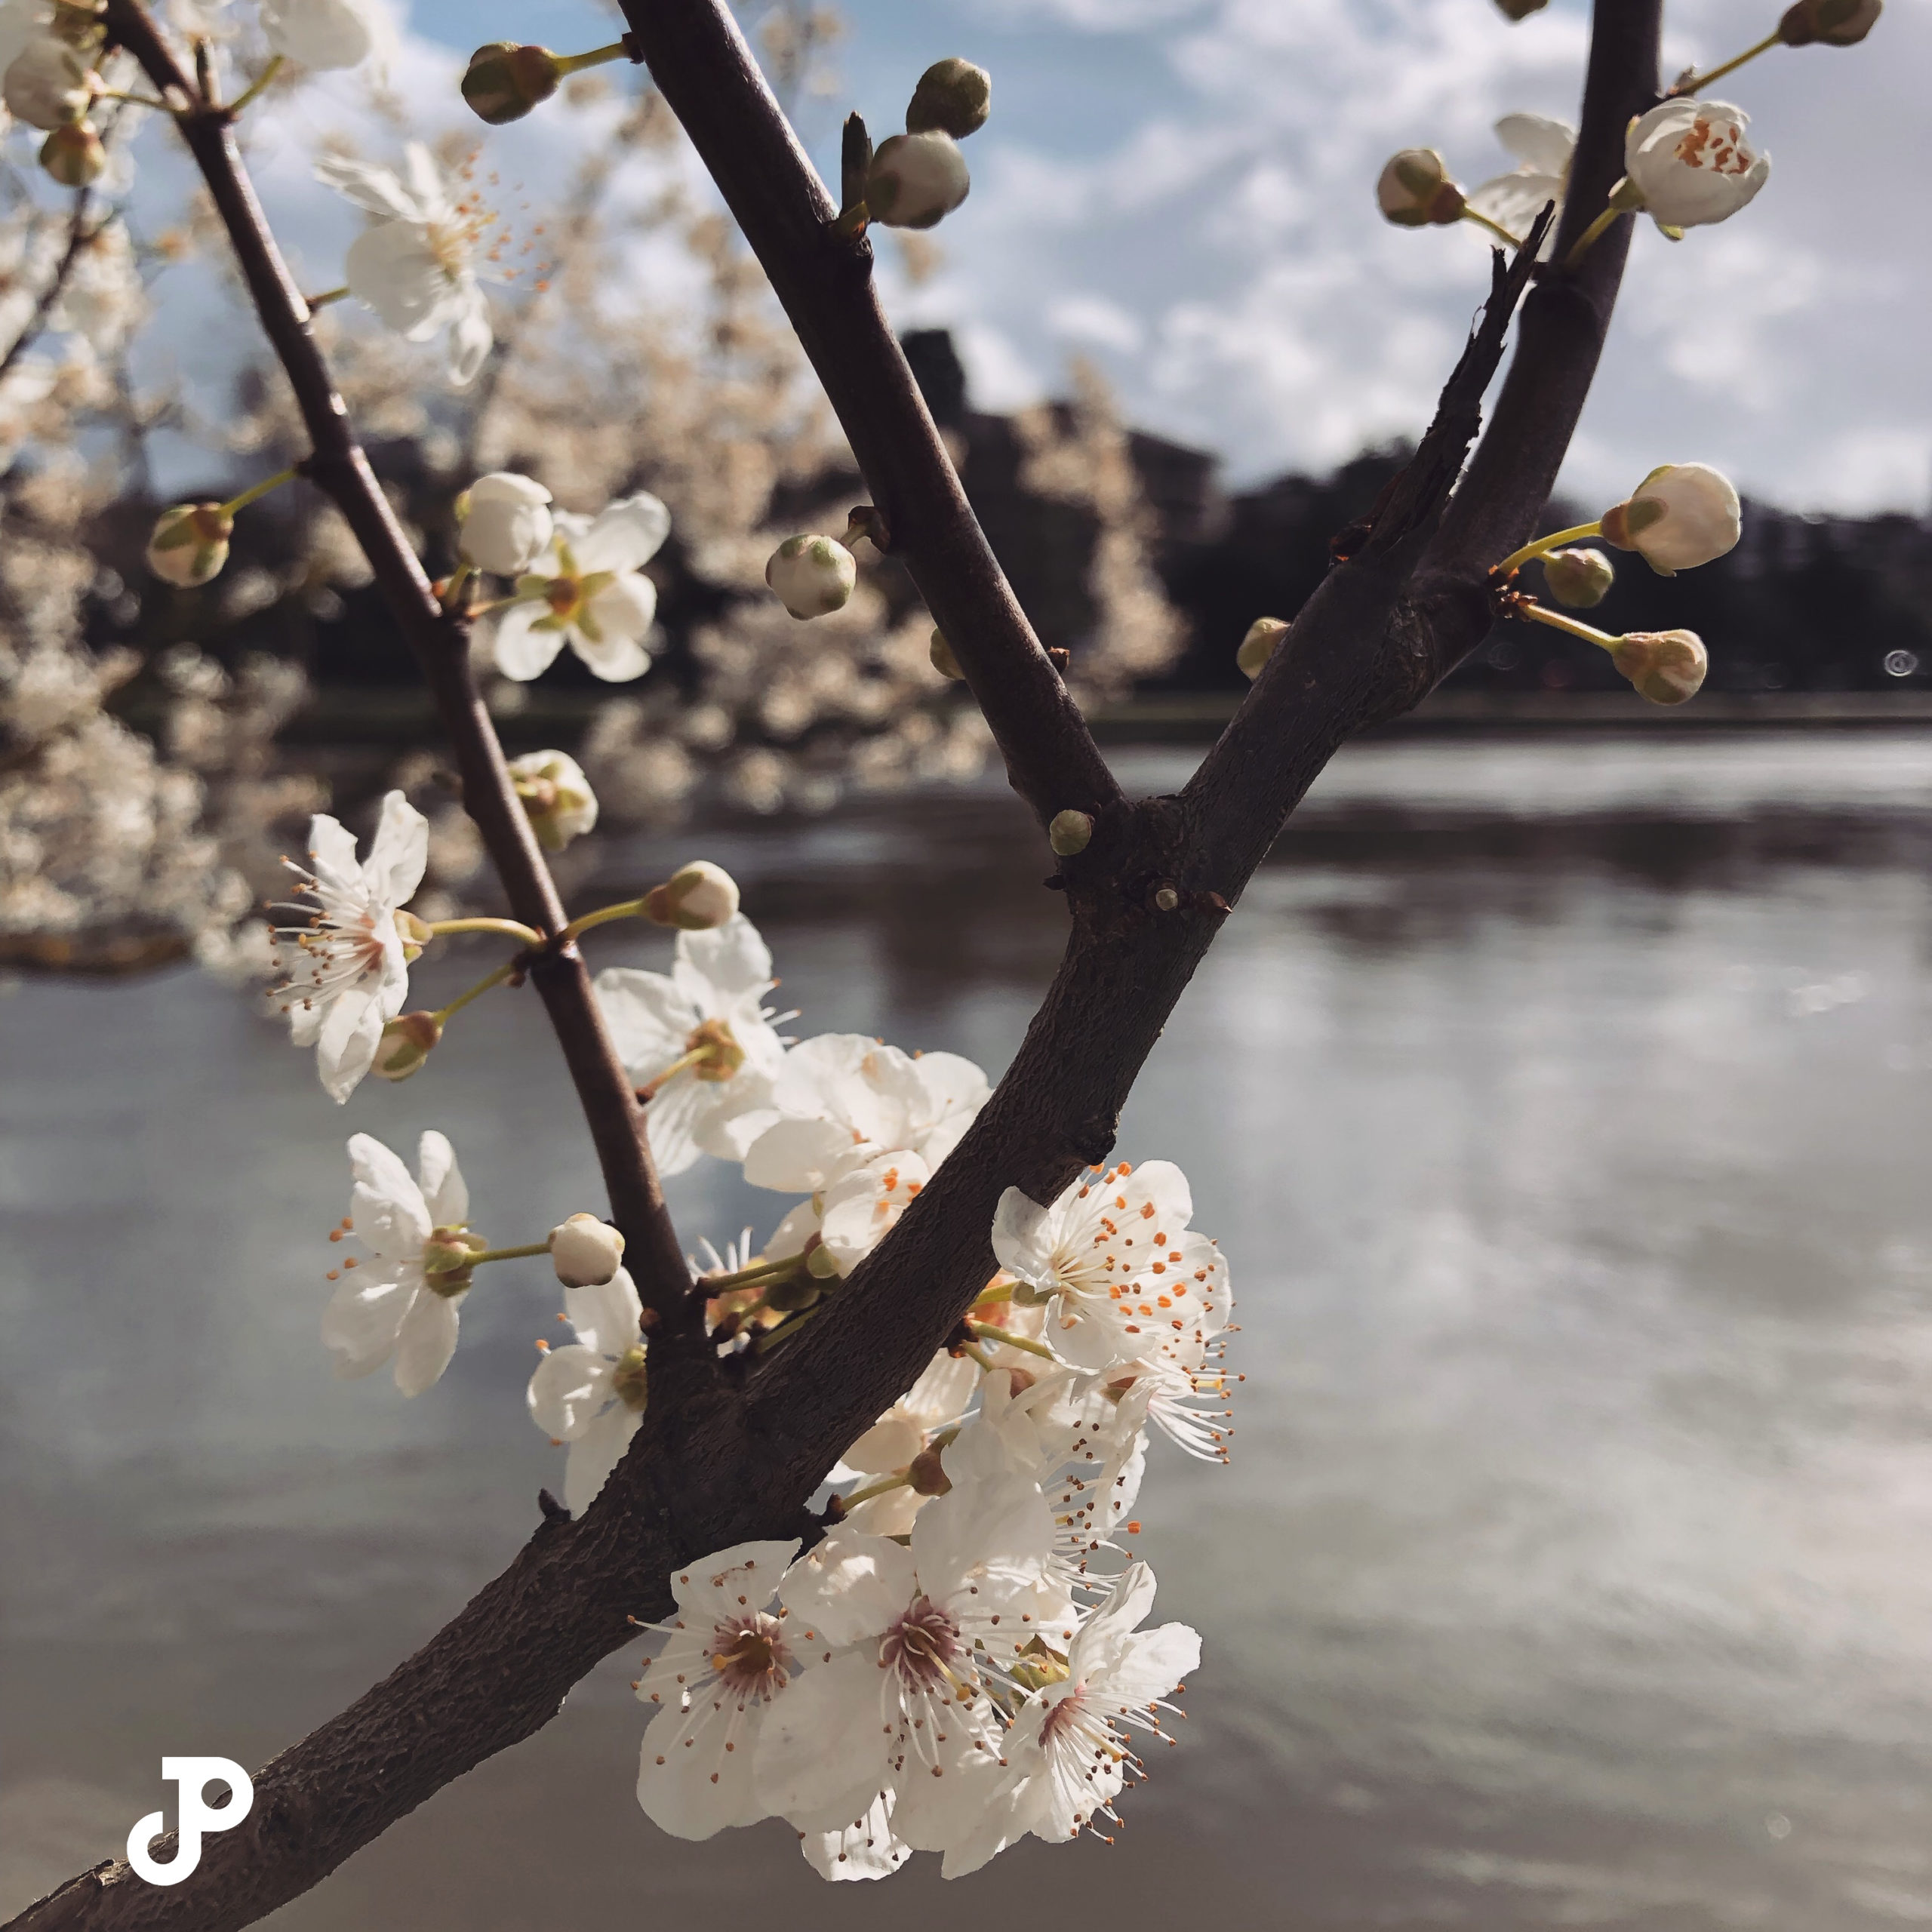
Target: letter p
<point>192,1775</point>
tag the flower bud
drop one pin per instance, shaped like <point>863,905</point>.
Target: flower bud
<point>414,933</point>
<point>503,522</point>
<point>915,180</point>
<point>695,899</point>
<point>49,83</point>
<point>1521,9</point>
<point>794,1292</point>
<point>944,663</point>
<point>926,1475</point>
<point>813,576</point>
<point>953,97</point>
<point>189,544</point>
<point>1836,23</point>
<point>1680,515</point>
<point>504,81</point>
<point>556,796</point>
<point>406,1044</point>
<point>821,1264</point>
<point>1665,667</point>
<point>1258,644</point>
<point>1579,578</point>
<point>75,154</point>
<point>1071,832</point>
<point>585,1251</point>
<point>1413,190</point>
<point>447,1257</point>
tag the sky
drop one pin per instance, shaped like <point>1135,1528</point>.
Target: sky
<point>1181,190</point>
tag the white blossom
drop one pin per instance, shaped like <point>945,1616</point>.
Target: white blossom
<point>345,974</point>
<point>702,1041</point>
<point>48,85</point>
<point>916,180</point>
<point>1543,148</point>
<point>1691,162</point>
<point>591,1393</point>
<point>585,1251</point>
<point>588,590</point>
<point>1069,1752</point>
<point>414,265</point>
<point>385,1305</point>
<point>323,34</point>
<point>716,1683</point>
<point>1680,515</point>
<point>504,522</point>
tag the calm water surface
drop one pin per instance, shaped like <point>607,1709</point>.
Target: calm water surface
<point>1563,1107</point>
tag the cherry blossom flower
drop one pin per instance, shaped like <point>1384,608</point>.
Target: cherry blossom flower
<point>1069,1751</point>
<point>321,34</point>
<point>913,1634</point>
<point>591,1394</point>
<point>1690,162</point>
<point>941,1396</point>
<point>701,1041</point>
<point>344,975</point>
<point>396,1303</point>
<point>589,591</point>
<point>1680,515</point>
<point>414,265</point>
<point>1543,148</point>
<point>716,1683</point>
<point>48,85</point>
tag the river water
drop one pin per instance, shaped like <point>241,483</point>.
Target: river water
<point>1563,1106</point>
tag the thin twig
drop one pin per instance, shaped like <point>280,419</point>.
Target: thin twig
<point>78,236</point>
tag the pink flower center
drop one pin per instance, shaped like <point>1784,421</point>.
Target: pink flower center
<point>921,1645</point>
<point>750,1657</point>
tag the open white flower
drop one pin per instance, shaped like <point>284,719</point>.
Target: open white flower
<point>1543,148</point>
<point>591,1394</point>
<point>589,592</point>
<point>842,1098</point>
<point>323,34</point>
<point>394,1303</point>
<point>414,265</point>
<point>701,1041</point>
<point>345,975</point>
<point>1070,1751</point>
<point>716,1684</point>
<point>1690,161</point>
<point>900,1705</point>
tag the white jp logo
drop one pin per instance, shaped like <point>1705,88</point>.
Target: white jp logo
<point>193,1775</point>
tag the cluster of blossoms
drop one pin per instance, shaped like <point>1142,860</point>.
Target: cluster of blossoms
<point>960,1661</point>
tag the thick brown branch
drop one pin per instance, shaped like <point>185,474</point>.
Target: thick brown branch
<point>441,644</point>
<point>710,1466</point>
<point>706,72</point>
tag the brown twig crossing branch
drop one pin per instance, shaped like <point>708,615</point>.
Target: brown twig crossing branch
<point>337,466</point>
<point>712,1464</point>
<point>78,236</point>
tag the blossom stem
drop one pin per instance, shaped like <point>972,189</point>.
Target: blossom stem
<point>1542,547</point>
<point>987,1332</point>
<point>1538,614</point>
<point>256,87</point>
<point>759,1270</point>
<point>630,909</point>
<point>507,1254</point>
<point>1495,228</point>
<point>327,296</point>
<point>257,490</point>
<point>993,1297</point>
<point>980,1356</point>
<point>1586,241</point>
<point>575,63</point>
<point>134,100</point>
<point>884,1486</point>
<point>649,1090</point>
<point>786,1329</point>
<point>510,928</point>
<point>1694,83</point>
<point>495,978</point>
<point>453,590</point>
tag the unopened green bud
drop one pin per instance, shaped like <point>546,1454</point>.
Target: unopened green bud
<point>794,1293</point>
<point>926,1475</point>
<point>944,663</point>
<point>189,543</point>
<point>1258,644</point>
<point>1071,832</point>
<point>407,1042</point>
<point>1413,190</point>
<point>695,899</point>
<point>812,576</point>
<point>821,1263</point>
<point>504,81</point>
<point>74,155</point>
<point>1835,22</point>
<point>953,97</point>
<point>1579,578</point>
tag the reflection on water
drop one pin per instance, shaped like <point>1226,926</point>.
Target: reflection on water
<point>1563,1109</point>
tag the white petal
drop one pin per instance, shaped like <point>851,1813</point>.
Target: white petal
<point>471,337</point>
<point>623,613</point>
<point>318,34</point>
<point>425,1341</point>
<point>1544,144</point>
<point>523,651</point>
<point>346,1048</point>
<point>570,1390</point>
<point>1001,1530</point>
<point>391,1217</point>
<point>672,1119</point>
<point>650,1019</point>
<point>822,1752</point>
<point>595,1454</point>
<point>709,1590</point>
<point>399,853</point>
<point>445,1193</point>
<point>359,1325</point>
<point>393,268</point>
<point>733,958</point>
<point>795,1156</point>
<point>849,1585</point>
<point>332,852</point>
<point>700,1789</point>
<point>606,1316</point>
<point>889,1445</point>
<point>625,535</point>
<point>1024,1234</point>
<point>376,190</point>
<point>865,1849</point>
